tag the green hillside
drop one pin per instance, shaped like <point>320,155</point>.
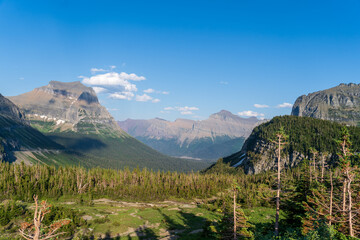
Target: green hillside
<point>120,152</point>
<point>21,141</point>
<point>204,148</point>
<point>19,136</point>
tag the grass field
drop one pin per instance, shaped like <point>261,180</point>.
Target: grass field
<point>108,219</point>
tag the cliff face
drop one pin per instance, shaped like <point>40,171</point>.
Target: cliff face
<point>222,134</point>
<point>340,104</point>
<point>69,106</point>
<point>262,157</point>
<point>9,109</point>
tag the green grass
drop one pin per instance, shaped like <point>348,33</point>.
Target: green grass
<point>262,219</point>
<point>120,220</point>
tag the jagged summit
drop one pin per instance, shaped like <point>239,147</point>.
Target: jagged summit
<point>340,104</point>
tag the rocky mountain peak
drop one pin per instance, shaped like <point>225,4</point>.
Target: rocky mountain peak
<point>223,114</point>
<point>69,106</point>
<point>72,90</point>
<point>340,104</point>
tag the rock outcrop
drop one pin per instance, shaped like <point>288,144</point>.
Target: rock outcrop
<point>340,104</point>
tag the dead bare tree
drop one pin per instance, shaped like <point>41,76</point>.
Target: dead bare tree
<point>35,230</point>
<point>349,173</point>
<point>80,181</point>
<point>323,164</point>
<point>234,211</point>
<point>280,142</point>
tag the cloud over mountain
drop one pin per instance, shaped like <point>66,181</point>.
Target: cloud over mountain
<point>119,85</point>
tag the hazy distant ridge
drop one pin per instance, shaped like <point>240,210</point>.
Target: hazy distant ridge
<point>223,133</point>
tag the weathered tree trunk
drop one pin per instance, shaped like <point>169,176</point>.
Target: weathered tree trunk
<point>344,197</point>
<point>310,172</point>
<point>314,167</point>
<point>37,219</point>
<point>278,190</point>
<point>331,198</point>
<point>322,168</point>
<point>234,233</point>
<point>351,230</point>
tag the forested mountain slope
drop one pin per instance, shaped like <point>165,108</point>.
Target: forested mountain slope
<point>258,152</point>
<point>71,115</point>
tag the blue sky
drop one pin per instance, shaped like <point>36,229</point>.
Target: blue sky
<point>192,58</point>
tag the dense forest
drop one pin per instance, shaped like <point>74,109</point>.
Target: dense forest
<point>305,133</point>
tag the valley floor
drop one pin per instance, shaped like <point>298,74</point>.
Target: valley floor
<point>108,219</point>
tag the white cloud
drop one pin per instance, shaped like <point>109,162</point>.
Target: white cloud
<point>118,85</point>
<point>21,78</point>
<point>112,79</point>
<point>186,113</point>
<point>261,105</point>
<point>285,105</point>
<point>143,98</point>
<point>224,82</point>
<point>183,110</point>
<point>150,90</point>
<point>95,70</point>
<point>122,95</point>
<point>186,108</point>
<point>99,89</point>
<point>250,114</point>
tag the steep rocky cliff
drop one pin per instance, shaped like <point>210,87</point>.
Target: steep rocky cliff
<point>9,109</point>
<point>340,104</point>
<point>222,134</point>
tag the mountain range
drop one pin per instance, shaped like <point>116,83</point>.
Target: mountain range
<point>70,116</point>
<point>220,135</point>
<point>316,123</point>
